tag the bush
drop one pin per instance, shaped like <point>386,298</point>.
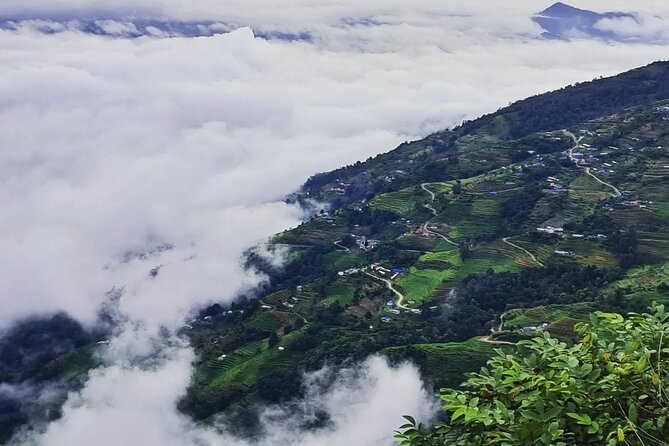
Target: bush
<point>609,389</point>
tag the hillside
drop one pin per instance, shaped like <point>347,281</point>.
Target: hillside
<point>445,249</point>
<point>468,240</point>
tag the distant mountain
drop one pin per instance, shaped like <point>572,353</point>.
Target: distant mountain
<point>562,21</point>
<point>131,27</point>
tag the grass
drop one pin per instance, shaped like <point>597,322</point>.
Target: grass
<point>548,313</point>
<point>590,253</point>
<point>587,189</point>
<point>246,365</point>
<point>641,286</point>
<point>341,292</point>
<point>448,363</point>
<point>421,284</point>
<point>341,260</point>
<point>486,207</point>
<point>663,210</point>
<point>265,322</point>
<point>439,188</point>
<point>402,202</point>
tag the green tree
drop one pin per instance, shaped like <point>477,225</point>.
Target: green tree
<point>611,388</point>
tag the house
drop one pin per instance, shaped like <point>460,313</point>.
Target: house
<point>221,358</point>
<point>394,311</point>
<point>550,230</point>
<point>564,253</point>
<point>386,319</point>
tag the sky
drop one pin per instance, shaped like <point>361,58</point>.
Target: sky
<point>119,155</point>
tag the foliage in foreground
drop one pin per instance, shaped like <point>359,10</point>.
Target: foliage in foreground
<point>612,388</point>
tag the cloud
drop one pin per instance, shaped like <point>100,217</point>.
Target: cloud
<point>130,404</point>
<point>113,149</point>
<point>642,26</point>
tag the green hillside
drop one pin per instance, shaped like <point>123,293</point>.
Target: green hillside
<point>511,227</point>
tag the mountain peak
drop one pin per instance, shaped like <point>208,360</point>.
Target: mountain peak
<point>560,9</point>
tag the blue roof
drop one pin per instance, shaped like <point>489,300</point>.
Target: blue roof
<point>398,270</point>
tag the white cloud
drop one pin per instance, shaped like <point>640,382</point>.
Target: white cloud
<point>129,404</point>
<point>110,146</point>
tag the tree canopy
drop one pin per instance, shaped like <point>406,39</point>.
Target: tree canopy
<point>611,388</point>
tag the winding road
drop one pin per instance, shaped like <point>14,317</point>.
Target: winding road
<point>434,213</point>
<point>534,259</point>
<point>339,245</point>
<point>489,338</point>
<point>577,141</point>
<point>389,284</point>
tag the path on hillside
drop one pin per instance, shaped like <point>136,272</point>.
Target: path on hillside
<point>534,259</point>
<point>339,245</point>
<point>497,192</point>
<point>489,338</point>
<point>423,186</point>
<point>434,213</point>
<point>389,284</point>
<point>577,142</point>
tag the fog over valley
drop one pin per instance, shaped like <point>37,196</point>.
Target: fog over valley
<point>138,165</point>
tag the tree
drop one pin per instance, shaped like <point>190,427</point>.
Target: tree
<point>273,339</point>
<point>608,389</point>
<point>457,188</point>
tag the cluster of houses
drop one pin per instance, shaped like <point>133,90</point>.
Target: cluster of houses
<point>391,307</point>
<point>290,305</point>
<point>340,188</point>
<point>365,244</point>
<point>538,162</point>
<point>557,230</point>
<point>563,253</point>
<point>349,272</point>
<point>636,203</point>
<point>380,269</point>
<point>208,321</point>
<point>532,328</point>
<point>664,110</point>
<point>554,184</point>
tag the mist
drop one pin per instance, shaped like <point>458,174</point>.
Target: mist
<point>121,155</point>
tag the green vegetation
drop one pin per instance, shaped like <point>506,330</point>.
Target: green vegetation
<point>489,221</point>
<point>402,202</point>
<point>446,364</point>
<point>609,388</point>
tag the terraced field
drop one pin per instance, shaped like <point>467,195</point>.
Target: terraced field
<point>421,284</point>
<point>501,249</point>
<point>402,202</point>
<point>265,322</point>
<point>589,253</point>
<point>479,262</point>
<point>244,366</point>
<point>460,214</point>
<point>486,207</point>
<point>448,363</point>
<point>341,260</point>
<point>548,313</point>
<point>341,292</point>
<point>588,190</point>
<point>439,188</point>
